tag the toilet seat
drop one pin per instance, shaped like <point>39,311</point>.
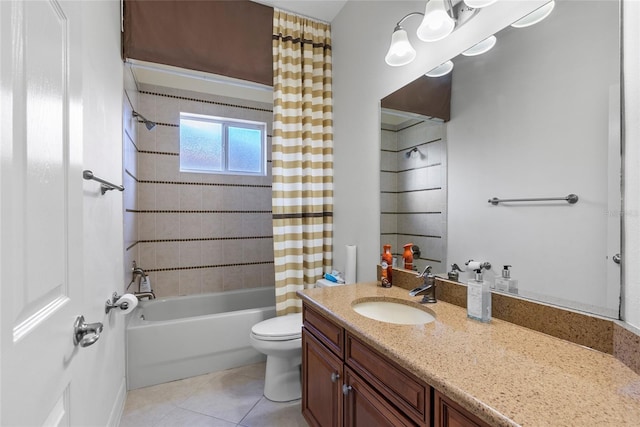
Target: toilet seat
<point>281,328</point>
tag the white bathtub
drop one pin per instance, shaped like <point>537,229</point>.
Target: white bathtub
<point>180,337</point>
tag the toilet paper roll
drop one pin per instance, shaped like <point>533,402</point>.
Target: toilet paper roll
<point>350,266</point>
<point>474,265</point>
<point>131,301</point>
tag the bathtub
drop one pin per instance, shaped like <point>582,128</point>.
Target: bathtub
<point>180,337</point>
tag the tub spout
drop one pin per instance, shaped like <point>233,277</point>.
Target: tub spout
<point>142,295</point>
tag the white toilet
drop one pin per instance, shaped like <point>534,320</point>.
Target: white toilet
<point>280,338</point>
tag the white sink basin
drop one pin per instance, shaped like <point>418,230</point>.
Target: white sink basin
<point>393,312</point>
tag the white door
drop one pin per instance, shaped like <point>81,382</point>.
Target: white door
<point>41,209</point>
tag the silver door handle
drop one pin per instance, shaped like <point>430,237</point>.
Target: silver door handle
<point>346,389</point>
<point>84,333</point>
<point>335,377</point>
<point>617,258</point>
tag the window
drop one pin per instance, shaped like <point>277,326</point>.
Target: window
<point>220,145</point>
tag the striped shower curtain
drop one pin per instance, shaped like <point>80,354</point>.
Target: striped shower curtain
<point>302,156</point>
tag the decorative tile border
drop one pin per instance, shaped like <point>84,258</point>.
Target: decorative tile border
<point>200,267</point>
<point>204,101</point>
<point>205,239</point>
<point>212,184</point>
<point>193,211</point>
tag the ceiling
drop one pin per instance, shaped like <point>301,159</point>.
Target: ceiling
<point>323,10</point>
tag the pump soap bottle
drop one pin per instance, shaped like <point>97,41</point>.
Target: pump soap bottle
<point>506,283</point>
<point>386,266</point>
<point>479,298</point>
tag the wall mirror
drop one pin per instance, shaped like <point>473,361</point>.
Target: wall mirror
<point>537,116</point>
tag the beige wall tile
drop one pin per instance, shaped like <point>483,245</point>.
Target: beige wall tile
<point>167,254</point>
<point>213,225</point>
<point>191,225</point>
<point>167,196</point>
<point>233,252</point>
<point>146,196</point>
<point>212,252</point>
<point>167,226</point>
<point>167,167</point>
<point>233,278</point>
<point>252,276</point>
<point>190,282</point>
<point>146,226</point>
<point>166,283</point>
<point>146,166</point>
<point>212,280</point>
<point>190,254</point>
<point>147,258</point>
<point>191,197</point>
<point>212,197</point>
<point>167,139</point>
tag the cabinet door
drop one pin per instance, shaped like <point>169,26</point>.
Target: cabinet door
<point>364,407</point>
<point>450,414</point>
<point>321,383</point>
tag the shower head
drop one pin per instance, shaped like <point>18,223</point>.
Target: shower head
<point>148,123</point>
<point>410,153</point>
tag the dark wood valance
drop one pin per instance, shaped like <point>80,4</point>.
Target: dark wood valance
<point>230,38</point>
<point>427,96</point>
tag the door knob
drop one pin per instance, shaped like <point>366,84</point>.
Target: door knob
<point>617,258</point>
<point>346,389</point>
<point>84,333</point>
<point>335,377</point>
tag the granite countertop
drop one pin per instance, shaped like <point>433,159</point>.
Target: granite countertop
<point>505,374</point>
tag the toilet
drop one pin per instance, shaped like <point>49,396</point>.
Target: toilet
<point>280,338</point>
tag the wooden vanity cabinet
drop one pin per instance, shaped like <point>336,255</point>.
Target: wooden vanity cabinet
<point>347,383</point>
<point>322,373</point>
<point>447,413</point>
<point>341,385</point>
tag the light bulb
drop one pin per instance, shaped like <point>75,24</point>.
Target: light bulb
<point>400,51</point>
<point>477,4</point>
<point>484,46</point>
<point>436,24</point>
<point>441,70</point>
<point>535,16</point>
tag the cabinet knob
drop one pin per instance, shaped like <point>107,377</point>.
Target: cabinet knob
<point>346,389</point>
<point>335,377</point>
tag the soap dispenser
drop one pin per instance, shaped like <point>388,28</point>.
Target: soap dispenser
<point>386,266</point>
<point>506,283</point>
<point>479,298</point>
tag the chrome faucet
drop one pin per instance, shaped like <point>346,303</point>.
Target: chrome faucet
<point>140,274</point>
<point>428,288</point>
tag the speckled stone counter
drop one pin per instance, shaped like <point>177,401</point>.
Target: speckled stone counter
<point>505,374</point>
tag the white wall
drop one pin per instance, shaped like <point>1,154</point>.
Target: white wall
<point>530,118</point>
<point>361,34</point>
<point>631,290</point>
<point>102,385</point>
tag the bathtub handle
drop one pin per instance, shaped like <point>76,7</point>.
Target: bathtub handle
<point>84,333</point>
<point>335,377</point>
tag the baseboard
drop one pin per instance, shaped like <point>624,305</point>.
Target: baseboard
<point>118,405</point>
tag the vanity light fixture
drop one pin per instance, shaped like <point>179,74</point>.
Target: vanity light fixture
<point>440,18</point>
<point>437,23</point>
<point>535,16</point>
<point>400,51</point>
<point>483,47</point>
<point>441,70</point>
<point>479,3</point>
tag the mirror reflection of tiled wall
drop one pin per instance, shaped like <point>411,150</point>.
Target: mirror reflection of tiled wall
<point>414,190</point>
<point>198,232</point>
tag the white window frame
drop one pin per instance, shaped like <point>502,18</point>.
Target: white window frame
<point>227,122</point>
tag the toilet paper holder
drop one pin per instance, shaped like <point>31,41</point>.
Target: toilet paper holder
<point>113,303</point>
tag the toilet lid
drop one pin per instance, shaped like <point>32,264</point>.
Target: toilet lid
<point>279,328</point>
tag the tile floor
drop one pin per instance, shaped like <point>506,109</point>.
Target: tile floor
<point>220,399</point>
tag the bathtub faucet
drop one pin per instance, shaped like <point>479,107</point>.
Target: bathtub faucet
<point>139,273</point>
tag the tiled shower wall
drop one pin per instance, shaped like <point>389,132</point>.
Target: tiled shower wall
<point>130,162</point>
<point>413,191</point>
<point>199,232</point>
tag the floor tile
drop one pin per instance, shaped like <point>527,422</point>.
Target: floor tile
<point>219,399</point>
<point>267,413</point>
<point>181,417</point>
<point>228,395</point>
